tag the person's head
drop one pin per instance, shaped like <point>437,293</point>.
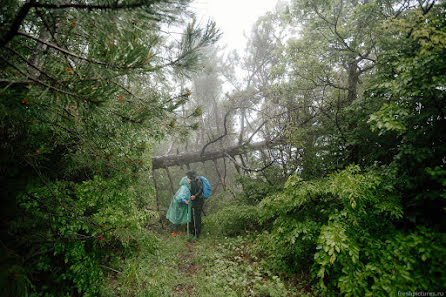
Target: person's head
<point>191,175</point>
<point>185,181</point>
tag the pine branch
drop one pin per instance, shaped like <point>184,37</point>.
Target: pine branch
<point>64,50</point>
<point>36,80</point>
<point>24,10</point>
<point>45,84</point>
<point>17,22</point>
<point>111,6</point>
<point>16,82</point>
<point>31,64</point>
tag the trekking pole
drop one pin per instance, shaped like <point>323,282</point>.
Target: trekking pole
<point>195,225</point>
<point>187,219</point>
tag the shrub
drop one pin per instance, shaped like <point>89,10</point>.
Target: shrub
<point>232,220</point>
<point>255,188</point>
<point>345,228</point>
<point>70,230</point>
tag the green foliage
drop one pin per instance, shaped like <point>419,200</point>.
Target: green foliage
<point>372,266</point>
<point>234,268</point>
<point>255,188</point>
<point>409,84</point>
<point>344,229</point>
<point>363,84</point>
<point>363,230</point>
<point>81,226</point>
<point>145,274</point>
<point>297,214</point>
<point>232,220</point>
<point>388,118</point>
<point>87,89</point>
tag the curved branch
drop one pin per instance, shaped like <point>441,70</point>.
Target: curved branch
<point>221,136</point>
<point>341,39</point>
<point>248,168</point>
<point>252,135</point>
<point>255,132</point>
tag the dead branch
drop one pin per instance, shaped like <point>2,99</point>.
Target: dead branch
<point>248,168</point>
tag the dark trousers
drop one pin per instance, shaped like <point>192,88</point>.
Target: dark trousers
<point>197,206</point>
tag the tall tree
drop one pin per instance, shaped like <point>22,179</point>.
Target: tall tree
<point>85,93</point>
<point>327,69</point>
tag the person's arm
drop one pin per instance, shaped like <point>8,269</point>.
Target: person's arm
<point>183,195</point>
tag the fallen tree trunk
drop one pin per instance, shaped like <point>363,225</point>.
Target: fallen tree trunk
<point>194,157</point>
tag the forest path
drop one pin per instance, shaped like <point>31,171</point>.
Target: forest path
<point>188,267</point>
<point>213,266</point>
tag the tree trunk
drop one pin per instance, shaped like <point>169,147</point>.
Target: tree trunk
<point>157,199</point>
<point>170,180</point>
<point>353,78</point>
<point>219,175</point>
<point>194,157</point>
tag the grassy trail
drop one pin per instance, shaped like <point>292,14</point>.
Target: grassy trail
<point>211,266</point>
<point>186,271</point>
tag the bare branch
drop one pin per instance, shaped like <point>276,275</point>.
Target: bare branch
<point>224,134</point>
<point>339,36</point>
<point>248,168</point>
<point>255,132</point>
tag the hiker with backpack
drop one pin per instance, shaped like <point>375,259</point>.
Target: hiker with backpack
<point>200,190</point>
<point>180,207</point>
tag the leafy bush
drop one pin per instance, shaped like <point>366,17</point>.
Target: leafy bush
<point>361,265</point>
<point>232,220</point>
<point>345,229</point>
<point>255,188</point>
<point>71,229</point>
<point>297,215</point>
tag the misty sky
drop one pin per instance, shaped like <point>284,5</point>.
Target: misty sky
<point>233,17</point>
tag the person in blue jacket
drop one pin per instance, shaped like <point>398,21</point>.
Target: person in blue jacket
<point>179,208</point>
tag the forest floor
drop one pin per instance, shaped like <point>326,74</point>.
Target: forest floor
<point>211,266</point>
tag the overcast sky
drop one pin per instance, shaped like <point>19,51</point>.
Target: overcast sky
<point>233,18</point>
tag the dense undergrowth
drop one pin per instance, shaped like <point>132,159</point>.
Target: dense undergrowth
<point>345,231</point>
